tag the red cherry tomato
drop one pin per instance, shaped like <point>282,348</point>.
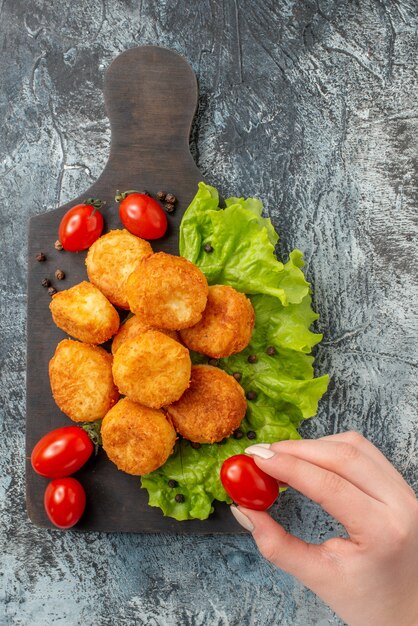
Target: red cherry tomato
<point>64,501</point>
<point>61,452</point>
<point>81,226</point>
<point>247,484</point>
<point>143,216</point>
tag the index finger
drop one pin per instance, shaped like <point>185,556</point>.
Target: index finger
<point>341,499</point>
<point>342,458</point>
<point>357,440</point>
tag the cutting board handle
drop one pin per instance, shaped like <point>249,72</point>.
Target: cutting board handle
<point>151,97</point>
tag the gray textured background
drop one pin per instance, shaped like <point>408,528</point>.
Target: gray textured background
<point>308,105</point>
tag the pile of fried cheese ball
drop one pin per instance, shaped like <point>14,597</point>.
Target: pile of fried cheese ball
<point>163,394</point>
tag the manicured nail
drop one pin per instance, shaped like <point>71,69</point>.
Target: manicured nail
<point>262,450</point>
<point>242,519</point>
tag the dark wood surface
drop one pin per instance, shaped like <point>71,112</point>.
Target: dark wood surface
<point>149,150</point>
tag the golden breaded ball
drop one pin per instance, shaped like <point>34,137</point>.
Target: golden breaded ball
<point>226,326</point>
<point>85,313</point>
<point>152,369</point>
<point>110,261</point>
<point>212,407</point>
<point>81,380</point>
<point>133,327</point>
<point>167,291</point>
<point>137,439</point>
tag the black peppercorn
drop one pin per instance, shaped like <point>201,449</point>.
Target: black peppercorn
<point>207,247</point>
<point>46,282</point>
<point>58,245</point>
<point>169,207</point>
<point>179,497</point>
<point>52,291</point>
<point>170,198</point>
<point>238,434</point>
<point>251,434</point>
<point>40,257</point>
<point>144,192</point>
<point>161,195</point>
<point>195,445</point>
<point>59,275</point>
<point>173,483</point>
<point>251,395</point>
<point>252,358</point>
<point>237,376</point>
<point>271,350</point>
<point>213,362</point>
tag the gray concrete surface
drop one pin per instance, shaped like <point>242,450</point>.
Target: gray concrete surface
<point>308,105</point>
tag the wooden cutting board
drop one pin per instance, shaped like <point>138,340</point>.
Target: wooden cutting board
<point>151,97</point>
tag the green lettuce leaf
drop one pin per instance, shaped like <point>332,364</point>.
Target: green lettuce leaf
<point>286,391</point>
<point>243,247</point>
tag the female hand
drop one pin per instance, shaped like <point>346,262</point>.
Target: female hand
<point>370,579</point>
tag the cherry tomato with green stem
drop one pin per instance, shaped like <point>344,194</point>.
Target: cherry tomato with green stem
<point>247,484</point>
<point>141,215</point>
<point>81,225</point>
<point>64,502</point>
<point>61,452</point>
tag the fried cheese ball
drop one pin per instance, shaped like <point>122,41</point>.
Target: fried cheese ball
<point>137,439</point>
<point>226,326</point>
<point>167,291</point>
<point>211,408</point>
<point>134,327</point>
<point>110,261</point>
<point>85,313</point>
<point>81,380</point>
<point>152,369</point>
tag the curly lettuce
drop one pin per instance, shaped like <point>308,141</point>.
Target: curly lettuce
<point>286,390</point>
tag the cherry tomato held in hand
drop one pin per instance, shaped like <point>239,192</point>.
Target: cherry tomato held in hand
<point>81,226</point>
<point>64,501</point>
<point>247,484</point>
<point>141,215</point>
<point>61,452</point>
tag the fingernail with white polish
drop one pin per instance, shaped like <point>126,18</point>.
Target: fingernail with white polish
<point>262,450</point>
<point>242,519</point>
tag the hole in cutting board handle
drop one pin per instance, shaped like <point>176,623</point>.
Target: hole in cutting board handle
<point>151,98</point>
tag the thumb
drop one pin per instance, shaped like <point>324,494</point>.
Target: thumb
<point>307,562</point>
